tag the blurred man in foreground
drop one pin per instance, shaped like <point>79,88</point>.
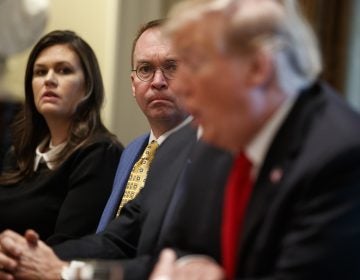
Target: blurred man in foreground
<point>291,203</point>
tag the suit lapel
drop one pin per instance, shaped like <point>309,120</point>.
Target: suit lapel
<point>172,158</point>
<point>127,161</point>
<point>278,162</point>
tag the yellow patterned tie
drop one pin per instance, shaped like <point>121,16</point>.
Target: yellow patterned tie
<point>138,175</point>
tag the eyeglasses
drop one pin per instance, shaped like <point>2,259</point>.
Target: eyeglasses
<point>146,71</point>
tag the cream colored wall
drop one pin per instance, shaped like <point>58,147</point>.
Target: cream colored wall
<point>95,21</point>
<point>109,27</point>
<point>127,119</point>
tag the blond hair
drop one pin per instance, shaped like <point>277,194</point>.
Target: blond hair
<point>277,26</point>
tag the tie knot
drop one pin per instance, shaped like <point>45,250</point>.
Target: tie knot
<point>242,162</point>
<point>150,149</point>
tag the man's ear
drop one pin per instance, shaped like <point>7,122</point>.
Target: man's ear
<point>132,84</point>
<point>261,68</point>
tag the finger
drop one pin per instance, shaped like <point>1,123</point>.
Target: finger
<point>198,267</point>
<point>12,234</point>
<point>7,263</point>
<point>5,276</point>
<point>32,237</point>
<point>10,247</point>
<point>165,265</point>
<point>17,238</point>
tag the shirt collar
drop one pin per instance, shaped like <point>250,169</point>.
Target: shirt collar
<point>162,137</point>
<point>258,147</point>
<point>48,156</point>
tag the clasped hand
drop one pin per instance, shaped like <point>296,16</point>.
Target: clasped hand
<point>27,257</point>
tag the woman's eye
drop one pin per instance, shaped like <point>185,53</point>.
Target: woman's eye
<point>39,72</point>
<point>65,70</point>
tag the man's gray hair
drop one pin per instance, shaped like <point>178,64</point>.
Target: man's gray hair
<point>276,25</point>
<point>298,60</point>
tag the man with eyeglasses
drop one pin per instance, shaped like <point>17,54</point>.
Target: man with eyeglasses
<point>135,234</point>
<point>153,67</point>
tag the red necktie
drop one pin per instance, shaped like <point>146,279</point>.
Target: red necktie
<point>237,194</point>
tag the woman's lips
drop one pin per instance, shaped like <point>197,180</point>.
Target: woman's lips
<point>49,95</point>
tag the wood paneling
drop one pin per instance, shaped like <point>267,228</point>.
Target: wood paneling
<point>331,20</point>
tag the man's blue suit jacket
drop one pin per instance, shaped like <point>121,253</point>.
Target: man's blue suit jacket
<point>128,158</point>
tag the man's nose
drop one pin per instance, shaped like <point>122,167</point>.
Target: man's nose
<point>159,81</point>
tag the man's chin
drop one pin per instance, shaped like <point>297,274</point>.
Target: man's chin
<point>213,138</point>
<point>210,137</point>
<point>165,116</point>
<point>160,103</point>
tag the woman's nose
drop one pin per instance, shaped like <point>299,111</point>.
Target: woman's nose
<point>50,78</point>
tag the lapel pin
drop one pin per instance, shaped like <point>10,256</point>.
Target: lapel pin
<point>275,175</point>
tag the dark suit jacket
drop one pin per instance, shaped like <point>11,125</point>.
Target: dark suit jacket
<point>305,225</point>
<point>135,237</point>
<point>206,162</point>
<point>136,230</point>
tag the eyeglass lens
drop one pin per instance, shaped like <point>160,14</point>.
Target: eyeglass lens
<point>146,71</point>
